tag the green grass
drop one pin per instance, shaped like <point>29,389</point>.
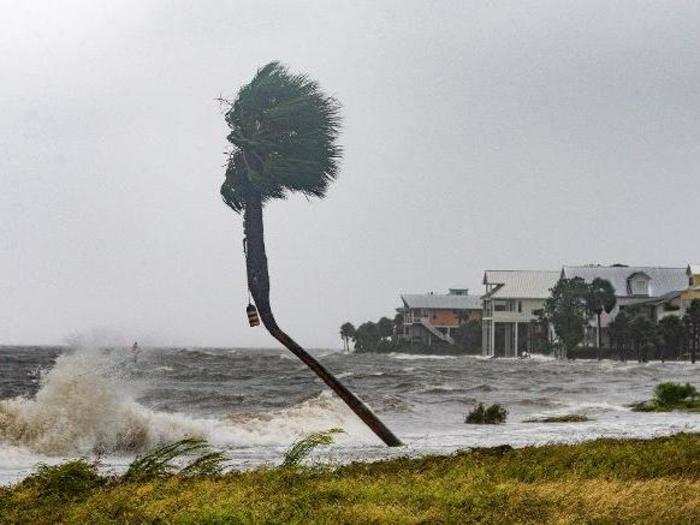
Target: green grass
<point>302,448</point>
<point>159,462</point>
<point>567,418</point>
<point>602,481</point>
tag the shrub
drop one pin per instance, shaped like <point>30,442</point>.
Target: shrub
<point>668,394</point>
<point>66,482</point>
<point>492,415</point>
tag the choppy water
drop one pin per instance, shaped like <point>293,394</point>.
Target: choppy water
<point>57,404</point>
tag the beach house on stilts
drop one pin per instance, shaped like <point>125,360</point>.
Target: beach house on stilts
<point>510,305</point>
<point>435,318</point>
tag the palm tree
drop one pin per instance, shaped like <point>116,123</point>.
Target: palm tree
<point>284,133</point>
<point>347,330</point>
<point>601,298</point>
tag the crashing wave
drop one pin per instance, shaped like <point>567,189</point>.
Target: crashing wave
<point>85,405</point>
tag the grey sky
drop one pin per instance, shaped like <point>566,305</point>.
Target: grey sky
<point>477,135</point>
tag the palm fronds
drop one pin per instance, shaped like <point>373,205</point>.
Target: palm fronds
<point>283,131</point>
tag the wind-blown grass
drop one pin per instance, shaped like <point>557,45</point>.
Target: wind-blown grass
<point>302,448</point>
<point>65,482</point>
<point>601,481</point>
<point>158,462</point>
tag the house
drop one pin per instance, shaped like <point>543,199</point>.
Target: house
<point>510,305</point>
<point>693,290</point>
<point>429,318</point>
<point>676,302</point>
<point>641,286</point>
<point>655,290</point>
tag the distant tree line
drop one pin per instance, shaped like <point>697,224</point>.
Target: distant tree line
<point>381,337</point>
<point>369,336</point>
<point>632,334</point>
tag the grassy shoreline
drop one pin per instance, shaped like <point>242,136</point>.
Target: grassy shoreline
<point>606,480</point>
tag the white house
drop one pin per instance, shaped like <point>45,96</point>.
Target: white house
<point>654,289</point>
<point>510,304</point>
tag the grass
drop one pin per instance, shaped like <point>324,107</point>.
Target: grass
<point>493,415</point>
<point>671,396</point>
<point>567,418</point>
<point>302,448</point>
<point>602,481</point>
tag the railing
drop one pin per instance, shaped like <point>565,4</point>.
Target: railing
<point>437,333</point>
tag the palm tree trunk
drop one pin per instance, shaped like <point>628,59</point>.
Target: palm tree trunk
<point>259,285</point>
<point>598,337</point>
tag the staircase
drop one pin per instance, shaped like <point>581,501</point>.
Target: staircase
<point>437,333</point>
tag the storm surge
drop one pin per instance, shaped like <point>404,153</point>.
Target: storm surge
<point>254,403</point>
<point>85,405</point>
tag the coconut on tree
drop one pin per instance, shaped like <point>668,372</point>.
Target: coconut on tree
<point>284,132</point>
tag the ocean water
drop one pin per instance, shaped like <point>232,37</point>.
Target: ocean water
<point>89,402</point>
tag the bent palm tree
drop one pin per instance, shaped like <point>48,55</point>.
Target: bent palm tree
<point>283,131</point>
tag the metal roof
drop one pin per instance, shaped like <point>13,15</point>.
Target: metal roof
<point>659,300</point>
<point>661,280</point>
<point>521,284</point>
<point>442,301</point>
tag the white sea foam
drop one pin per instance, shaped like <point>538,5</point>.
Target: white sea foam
<point>86,405</point>
<point>282,427</point>
<point>395,355</point>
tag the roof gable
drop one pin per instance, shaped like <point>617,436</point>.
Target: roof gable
<point>661,280</point>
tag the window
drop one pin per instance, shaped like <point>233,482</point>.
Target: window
<point>520,306</point>
<point>640,287</point>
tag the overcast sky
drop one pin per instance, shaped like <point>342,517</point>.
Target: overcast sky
<point>477,135</point>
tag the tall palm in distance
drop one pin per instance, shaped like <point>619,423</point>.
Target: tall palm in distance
<point>600,298</point>
<point>284,133</point>
<point>347,330</point>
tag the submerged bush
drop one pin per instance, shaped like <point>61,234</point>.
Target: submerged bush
<point>65,482</point>
<point>671,396</point>
<point>567,418</point>
<point>492,415</point>
<point>674,393</point>
<point>302,448</point>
